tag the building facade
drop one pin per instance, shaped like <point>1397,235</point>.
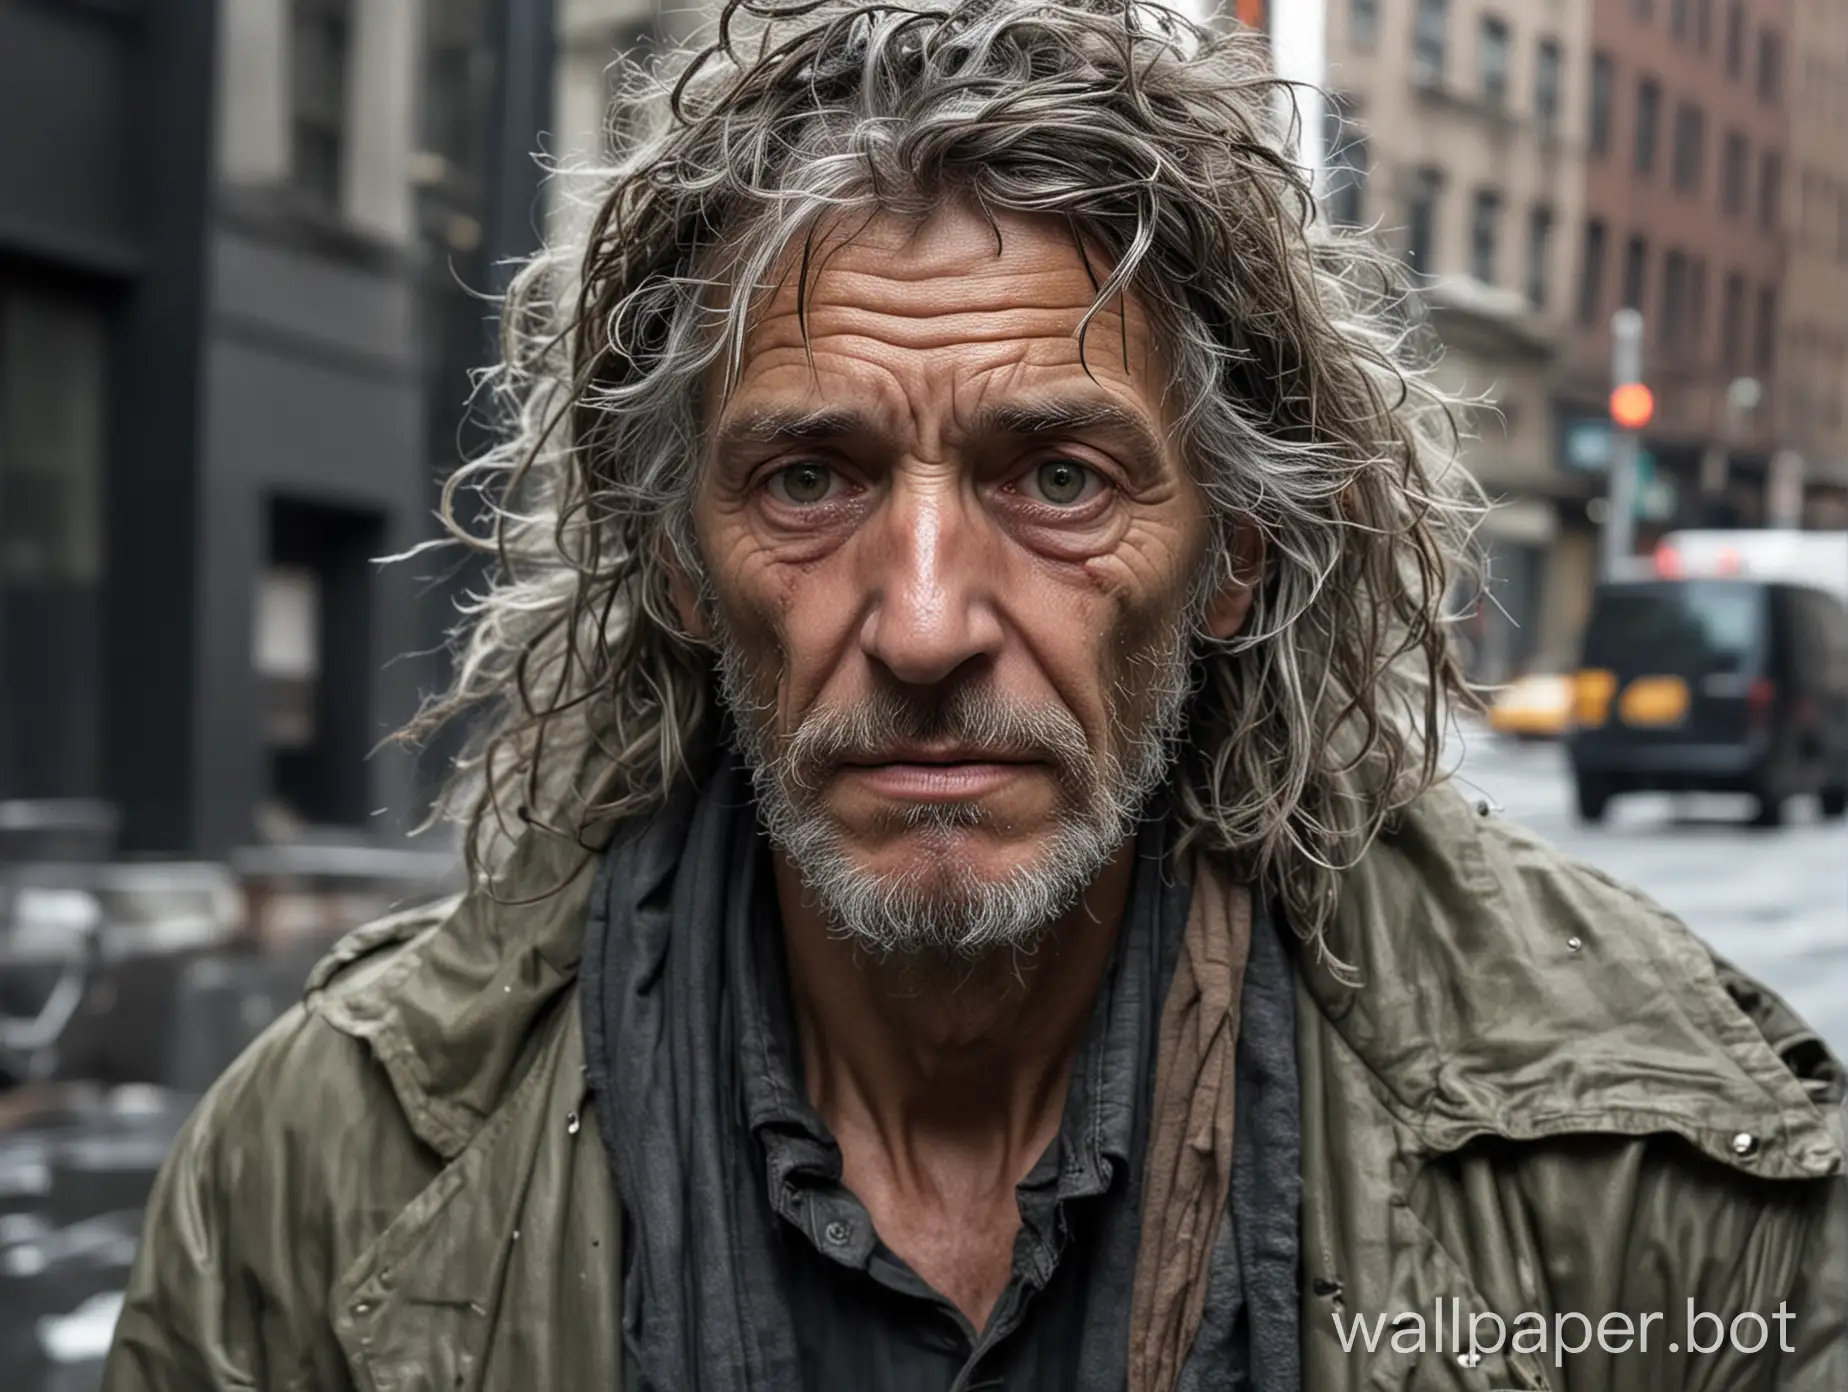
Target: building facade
<point>313,455</point>
<point>99,347</point>
<point>209,411</point>
<point>1814,346</point>
<point>1457,130</point>
<point>1689,181</point>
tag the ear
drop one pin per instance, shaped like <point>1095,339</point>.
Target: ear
<point>1228,610</point>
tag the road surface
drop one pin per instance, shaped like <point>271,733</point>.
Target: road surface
<point>1774,902</point>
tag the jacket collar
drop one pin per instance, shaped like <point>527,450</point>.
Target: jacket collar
<point>454,1015</point>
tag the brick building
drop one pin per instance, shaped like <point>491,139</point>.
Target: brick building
<point>1813,352</point>
<point>1458,129</point>
<point>1688,181</point>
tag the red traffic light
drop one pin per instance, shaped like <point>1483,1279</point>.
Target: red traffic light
<point>1632,405</point>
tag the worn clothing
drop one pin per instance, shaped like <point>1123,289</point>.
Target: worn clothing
<point>752,1265</point>
<point>732,1183</point>
<point>1249,1334</point>
<point>1190,1159</point>
<point>1543,1094</point>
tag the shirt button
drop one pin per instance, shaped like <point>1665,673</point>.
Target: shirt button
<point>837,1233</point>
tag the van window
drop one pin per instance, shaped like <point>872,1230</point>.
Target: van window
<point>1691,627</point>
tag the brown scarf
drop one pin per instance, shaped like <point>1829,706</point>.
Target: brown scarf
<point>1190,1143</point>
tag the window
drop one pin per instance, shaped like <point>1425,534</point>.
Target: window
<point>1696,329</point>
<point>319,50</point>
<point>53,383</point>
<point>1421,220</point>
<point>1674,300</point>
<point>1492,60</point>
<point>1690,147</point>
<point>1539,255</point>
<point>1603,88</point>
<point>1347,165</point>
<point>1770,67</point>
<point>1635,268</point>
<point>1591,273</point>
<point>1547,65</point>
<point>1764,346</point>
<point>1428,41</point>
<point>1648,117</point>
<point>1735,40</point>
<point>1732,322</point>
<point>1770,189</point>
<point>1363,23</point>
<point>1734,174</point>
<point>1703,26</point>
<point>1484,230</point>
<point>1680,19</point>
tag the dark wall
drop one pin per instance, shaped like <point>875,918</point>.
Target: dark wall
<point>152,483</point>
<point>313,403</point>
<point>106,111</point>
<point>72,133</point>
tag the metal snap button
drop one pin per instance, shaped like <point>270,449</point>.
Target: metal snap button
<point>837,1232</point>
<point>1745,1145</point>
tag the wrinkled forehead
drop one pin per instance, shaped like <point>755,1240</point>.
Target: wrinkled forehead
<point>955,292</point>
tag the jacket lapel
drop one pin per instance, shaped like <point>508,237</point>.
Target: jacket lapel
<point>504,1273</point>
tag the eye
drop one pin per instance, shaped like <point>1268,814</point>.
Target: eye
<point>1062,483</point>
<point>803,485</point>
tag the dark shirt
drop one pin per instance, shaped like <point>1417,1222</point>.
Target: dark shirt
<point>862,1317</point>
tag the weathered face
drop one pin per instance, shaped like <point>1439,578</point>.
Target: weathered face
<point>949,571</point>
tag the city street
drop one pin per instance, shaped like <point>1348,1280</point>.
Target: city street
<point>1774,902</point>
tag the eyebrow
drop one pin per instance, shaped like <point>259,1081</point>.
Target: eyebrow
<point>771,425</point>
<point>1076,416</point>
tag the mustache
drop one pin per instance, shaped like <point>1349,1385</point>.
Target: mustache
<point>975,717</point>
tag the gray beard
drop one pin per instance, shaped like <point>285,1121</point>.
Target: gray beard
<point>944,909</point>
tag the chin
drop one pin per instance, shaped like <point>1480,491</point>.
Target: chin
<point>951,842</point>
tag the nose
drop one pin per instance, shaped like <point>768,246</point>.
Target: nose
<point>932,580</point>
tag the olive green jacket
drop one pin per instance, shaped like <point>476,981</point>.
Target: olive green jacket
<point>1545,1097</point>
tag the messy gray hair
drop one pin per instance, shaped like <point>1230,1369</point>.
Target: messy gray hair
<point>1301,393</point>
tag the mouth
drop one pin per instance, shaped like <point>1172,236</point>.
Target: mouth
<point>936,775</point>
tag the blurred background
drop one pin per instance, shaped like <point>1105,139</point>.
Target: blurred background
<point>246,254</point>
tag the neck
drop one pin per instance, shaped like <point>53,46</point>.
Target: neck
<point>916,1054</point>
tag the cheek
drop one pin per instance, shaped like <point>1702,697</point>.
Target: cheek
<point>1137,628</point>
<point>790,624</point>
<point>1094,639</point>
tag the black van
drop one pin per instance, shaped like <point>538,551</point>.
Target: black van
<point>1716,685</point>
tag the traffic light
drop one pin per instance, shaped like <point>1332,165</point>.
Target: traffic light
<point>1632,403</point>
<point>1632,408</point>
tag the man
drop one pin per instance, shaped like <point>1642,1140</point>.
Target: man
<point>962,892</point>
